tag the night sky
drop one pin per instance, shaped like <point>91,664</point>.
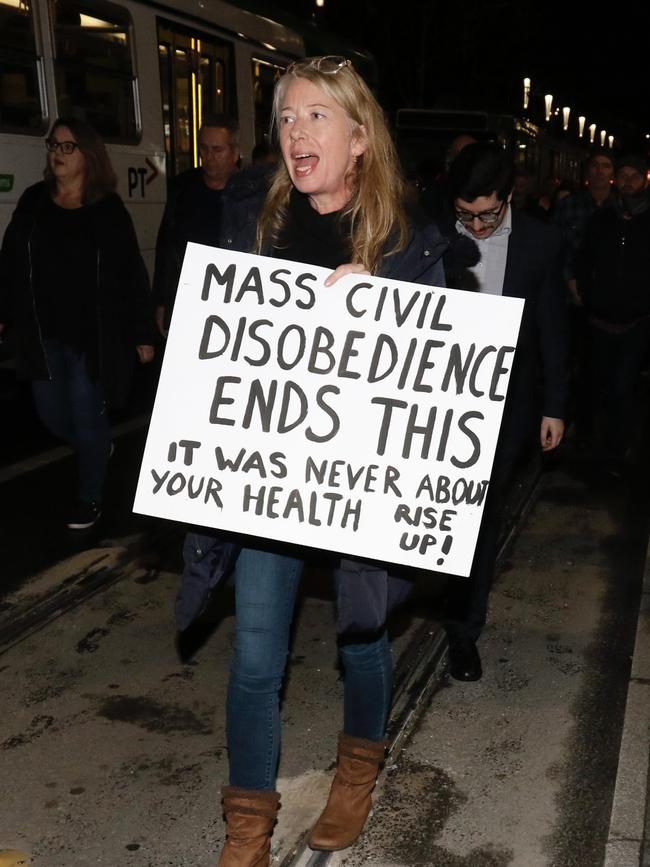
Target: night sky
<point>473,54</point>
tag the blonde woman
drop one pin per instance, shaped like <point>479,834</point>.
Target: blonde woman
<point>335,200</point>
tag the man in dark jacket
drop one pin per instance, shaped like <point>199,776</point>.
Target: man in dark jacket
<point>574,211</point>
<point>571,217</point>
<point>519,257</point>
<point>613,273</point>
<point>193,209</point>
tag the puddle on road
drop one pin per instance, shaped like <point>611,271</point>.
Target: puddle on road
<point>416,802</point>
<point>153,716</point>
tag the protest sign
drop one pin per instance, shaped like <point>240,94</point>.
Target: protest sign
<point>360,418</point>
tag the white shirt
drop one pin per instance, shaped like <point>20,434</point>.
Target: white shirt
<point>491,268</point>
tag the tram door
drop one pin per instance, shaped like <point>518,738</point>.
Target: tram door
<point>197,77</point>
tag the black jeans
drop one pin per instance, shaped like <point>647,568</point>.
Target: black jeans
<point>616,362</point>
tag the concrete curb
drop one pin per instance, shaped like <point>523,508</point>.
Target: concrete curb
<point>626,843</point>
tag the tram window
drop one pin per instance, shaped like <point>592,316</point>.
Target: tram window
<point>219,89</point>
<point>197,77</point>
<point>265,75</point>
<point>94,66</point>
<point>20,102</point>
<point>182,99</point>
<point>165,87</point>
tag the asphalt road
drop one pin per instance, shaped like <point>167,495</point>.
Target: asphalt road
<point>112,746</point>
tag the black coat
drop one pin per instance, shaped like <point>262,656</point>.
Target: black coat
<point>124,312</point>
<point>613,266</point>
<point>539,379</point>
<point>366,593</point>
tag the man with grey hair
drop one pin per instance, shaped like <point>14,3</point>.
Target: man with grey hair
<point>193,209</point>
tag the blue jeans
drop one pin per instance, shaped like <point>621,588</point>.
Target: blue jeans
<point>72,407</point>
<point>265,593</point>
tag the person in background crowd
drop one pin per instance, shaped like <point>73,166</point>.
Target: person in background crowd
<point>336,200</point>
<point>75,291</point>
<point>523,197</point>
<point>613,276</point>
<point>573,211</point>
<point>436,202</point>
<point>519,257</point>
<point>550,200</point>
<point>264,155</point>
<point>434,198</point>
<point>571,216</point>
<point>193,209</point>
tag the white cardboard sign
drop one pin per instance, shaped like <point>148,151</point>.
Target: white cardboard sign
<point>360,418</point>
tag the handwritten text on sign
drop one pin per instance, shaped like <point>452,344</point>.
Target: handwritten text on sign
<point>359,418</point>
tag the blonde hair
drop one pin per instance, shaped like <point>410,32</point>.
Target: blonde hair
<point>375,209</point>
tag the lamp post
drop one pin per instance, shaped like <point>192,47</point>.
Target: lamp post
<point>592,133</point>
<point>566,111</point>
<point>548,103</point>
<point>581,125</point>
<point>610,140</point>
<point>603,136</point>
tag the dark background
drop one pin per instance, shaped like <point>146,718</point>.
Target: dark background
<point>473,54</point>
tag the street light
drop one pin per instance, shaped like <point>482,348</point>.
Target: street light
<point>603,136</point>
<point>581,125</point>
<point>566,111</point>
<point>526,91</point>
<point>610,139</point>
<point>548,103</point>
<point>592,133</point>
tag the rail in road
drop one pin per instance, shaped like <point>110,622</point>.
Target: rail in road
<point>419,667</point>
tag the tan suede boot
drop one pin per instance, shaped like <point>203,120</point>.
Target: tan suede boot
<point>14,858</point>
<point>349,802</point>
<point>250,817</point>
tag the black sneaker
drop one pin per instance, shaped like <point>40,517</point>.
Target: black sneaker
<point>84,515</point>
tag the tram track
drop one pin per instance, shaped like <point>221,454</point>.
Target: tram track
<point>26,612</point>
<point>420,669</point>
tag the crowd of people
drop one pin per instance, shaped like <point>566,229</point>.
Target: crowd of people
<point>74,290</point>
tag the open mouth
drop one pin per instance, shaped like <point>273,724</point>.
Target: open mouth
<point>304,163</point>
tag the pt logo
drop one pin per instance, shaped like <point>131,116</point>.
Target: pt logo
<point>140,177</point>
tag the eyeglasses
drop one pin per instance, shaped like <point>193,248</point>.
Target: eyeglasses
<point>330,64</point>
<point>66,147</point>
<point>488,218</point>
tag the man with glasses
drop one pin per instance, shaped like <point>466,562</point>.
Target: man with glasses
<point>520,257</point>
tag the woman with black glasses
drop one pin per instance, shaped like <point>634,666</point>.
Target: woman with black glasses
<point>336,200</point>
<point>74,290</point>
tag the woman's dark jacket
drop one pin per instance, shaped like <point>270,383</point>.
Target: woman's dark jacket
<point>365,591</point>
<point>124,312</point>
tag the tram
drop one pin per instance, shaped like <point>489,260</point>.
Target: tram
<point>423,137</point>
<point>143,74</point>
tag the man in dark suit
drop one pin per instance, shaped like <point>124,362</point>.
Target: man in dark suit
<point>193,209</point>
<point>520,257</point>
